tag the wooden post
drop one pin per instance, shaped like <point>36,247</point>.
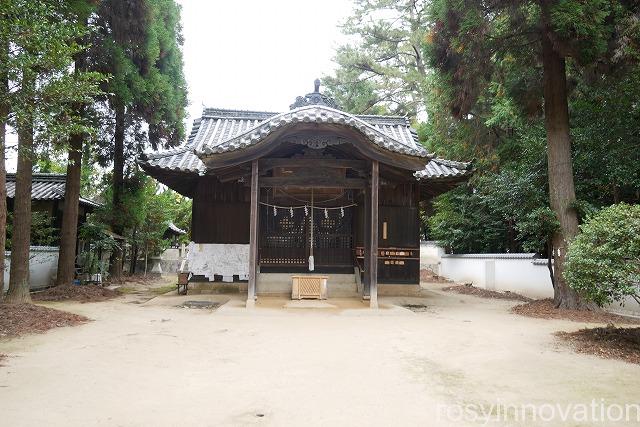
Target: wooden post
<point>253,236</point>
<point>366,216</point>
<point>373,254</point>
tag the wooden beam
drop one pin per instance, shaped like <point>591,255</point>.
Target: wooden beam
<point>268,164</point>
<point>373,254</point>
<point>367,243</point>
<point>312,182</point>
<point>253,235</point>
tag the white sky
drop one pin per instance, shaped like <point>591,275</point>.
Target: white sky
<point>256,54</point>
<point>253,54</point>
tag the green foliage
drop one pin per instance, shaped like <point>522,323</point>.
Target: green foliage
<point>43,233</point>
<point>605,119</point>
<point>146,209</point>
<point>488,75</point>
<point>586,27</point>
<point>495,212</point>
<point>452,223</point>
<point>603,262</point>
<point>138,44</point>
<point>39,40</point>
<point>98,242</point>
<point>536,228</point>
<point>382,68</point>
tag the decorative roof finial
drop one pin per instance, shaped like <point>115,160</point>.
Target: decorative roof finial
<point>314,98</point>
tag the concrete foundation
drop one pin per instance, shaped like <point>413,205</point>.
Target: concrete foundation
<point>217,288</point>
<point>398,290</point>
<point>279,285</point>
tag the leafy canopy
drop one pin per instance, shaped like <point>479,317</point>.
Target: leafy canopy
<point>39,40</point>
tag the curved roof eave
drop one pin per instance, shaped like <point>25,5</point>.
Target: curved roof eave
<point>311,114</point>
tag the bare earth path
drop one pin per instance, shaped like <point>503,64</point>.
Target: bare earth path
<point>155,364</point>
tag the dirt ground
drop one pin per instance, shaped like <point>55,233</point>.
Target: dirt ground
<point>458,361</point>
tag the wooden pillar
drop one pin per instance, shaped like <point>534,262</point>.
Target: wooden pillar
<point>253,235</point>
<point>366,216</point>
<point>373,253</point>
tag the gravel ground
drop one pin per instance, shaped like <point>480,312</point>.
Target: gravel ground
<point>155,364</point>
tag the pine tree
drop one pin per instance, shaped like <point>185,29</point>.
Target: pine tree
<point>382,69</point>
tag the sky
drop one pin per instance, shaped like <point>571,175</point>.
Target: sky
<point>258,55</point>
<point>253,54</point>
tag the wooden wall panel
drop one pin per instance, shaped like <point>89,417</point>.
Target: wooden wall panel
<point>403,227</point>
<point>399,195</point>
<point>220,212</point>
<point>216,222</point>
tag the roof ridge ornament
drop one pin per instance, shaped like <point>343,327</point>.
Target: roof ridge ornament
<point>314,98</point>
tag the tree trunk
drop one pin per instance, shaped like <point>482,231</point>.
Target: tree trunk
<point>550,263</point>
<point>561,189</point>
<point>21,237</point>
<point>118,184</point>
<point>69,229</point>
<point>134,253</point>
<point>4,113</point>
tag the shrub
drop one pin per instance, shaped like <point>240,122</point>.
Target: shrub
<point>603,262</point>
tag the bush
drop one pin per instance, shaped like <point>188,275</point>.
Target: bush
<point>603,262</point>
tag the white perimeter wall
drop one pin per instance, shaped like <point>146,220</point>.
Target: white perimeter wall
<point>43,266</point>
<point>502,272</point>
<point>520,273</point>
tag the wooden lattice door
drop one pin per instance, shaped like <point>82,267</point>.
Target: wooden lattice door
<point>285,238</point>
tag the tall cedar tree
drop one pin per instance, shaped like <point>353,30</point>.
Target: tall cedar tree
<point>81,11</point>
<point>4,115</point>
<point>140,46</point>
<point>42,43</point>
<point>470,40</point>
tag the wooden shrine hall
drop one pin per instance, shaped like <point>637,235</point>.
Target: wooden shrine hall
<point>311,190</point>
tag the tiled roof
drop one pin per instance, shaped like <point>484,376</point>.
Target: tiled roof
<point>171,226</point>
<point>177,159</point>
<point>45,186</point>
<point>441,168</point>
<point>222,131</point>
<point>226,130</point>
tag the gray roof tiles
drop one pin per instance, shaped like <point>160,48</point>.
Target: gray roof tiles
<point>230,130</point>
<point>441,168</point>
<point>45,186</point>
<point>220,131</point>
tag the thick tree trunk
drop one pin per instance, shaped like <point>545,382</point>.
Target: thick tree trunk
<point>69,229</point>
<point>118,187</point>
<point>561,188</point>
<point>21,237</point>
<point>4,113</point>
